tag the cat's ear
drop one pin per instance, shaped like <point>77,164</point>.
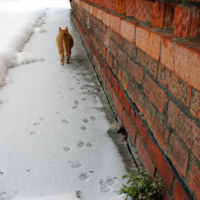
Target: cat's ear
<point>60,29</point>
<point>66,29</point>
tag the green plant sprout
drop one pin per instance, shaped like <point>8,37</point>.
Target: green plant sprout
<point>143,185</point>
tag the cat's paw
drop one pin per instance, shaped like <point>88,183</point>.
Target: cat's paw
<point>62,63</point>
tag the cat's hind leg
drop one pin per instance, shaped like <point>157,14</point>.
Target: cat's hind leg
<point>62,57</point>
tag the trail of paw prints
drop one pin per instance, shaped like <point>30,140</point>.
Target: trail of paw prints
<point>81,144</point>
<point>34,133</point>
<point>83,176</point>
<point>106,185</point>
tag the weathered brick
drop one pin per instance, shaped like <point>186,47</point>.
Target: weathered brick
<point>147,62</point>
<point>129,47</point>
<point>114,83</point>
<point>179,155</point>
<point>127,30</point>
<point>106,18</point>
<point>179,192</point>
<point>139,99</point>
<point>120,74</point>
<point>130,8</point>
<point>167,53</point>
<point>124,100</point>
<point>187,64</point>
<point>195,180</point>
<point>195,103</point>
<point>150,113</point>
<point>113,47</point>
<point>121,57</point>
<point>117,37</point>
<point>138,123</point>
<point>161,164</point>
<point>157,15</point>
<point>117,22</point>
<point>120,6</point>
<point>118,105</point>
<point>135,71</point>
<point>143,10</point>
<point>144,157</point>
<point>128,126</point>
<point>115,67</point>
<point>155,94</point>
<point>125,80</point>
<point>185,128</point>
<point>175,84</point>
<point>186,21</point>
<point>132,90</point>
<point>112,5</point>
<point>162,131</point>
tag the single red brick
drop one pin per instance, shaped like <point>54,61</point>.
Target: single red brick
<point>120,74</point>
<point>157,15</point>
<point>129,47</point>
<point>112,47</point>
<point>143,10</point>
<point>125,80</point>
<point>100,14</point>
<point>103,76</point>
<point>112,21</point>
<point>195,103</point>
<point>117,37</point>
<point>124,100</point>
<point>144,157</point>
<point>138,123</point>
<point>114,83</point>
<point>121,57</point>
<point>106,18</point>
<point>162,131</point>
<point>127,30</point>
<point>161,164</point>
<point>112,5</point>
<point>130,8</point>
<point>128,126</point>
<point>167,53</point>
<point>139,99</point>
<point>132,90</point>
<point>176,85</point>
<point>120,6</point>
<point>117,23</point>
<point>105,4</point>
<point>155,94</point>
<point>196,148</point>
<point>182,125</point>
<point>115,67</point>
<point>135,71</point>
<point>150,113</point>
<point>148,41</point>
<point>179,192</point>
<point>117,105</point>
<point>195,179</point>
<point>179,155</point>
<point>147,62</point>
<point>186,21</point>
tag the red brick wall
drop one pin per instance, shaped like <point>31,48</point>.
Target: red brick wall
<point>153,81</point>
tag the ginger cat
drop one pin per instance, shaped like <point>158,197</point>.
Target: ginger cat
<point>64,42</point>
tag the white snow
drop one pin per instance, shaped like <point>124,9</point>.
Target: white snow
<point>53,132</point>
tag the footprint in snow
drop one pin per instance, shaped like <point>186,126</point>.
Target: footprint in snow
<point>66,148</point>
<point>88,144</point>
<point>65,121</point>
<point>76,102</point>
<point>83,176</point>
<point>92,118</point>
<point>33,133</point>
<point>37,124</point>
<point>81,144</point>
<point>43,119</point>
<point>76,164</point>
<point>85,120</point>
<point>2,173</point>
<point>105,184</point>
<point>74,107</point>
<point>83,128</point>
<point>58,112</point>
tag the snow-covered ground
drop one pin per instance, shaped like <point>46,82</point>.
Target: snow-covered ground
<point>53,128</point>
